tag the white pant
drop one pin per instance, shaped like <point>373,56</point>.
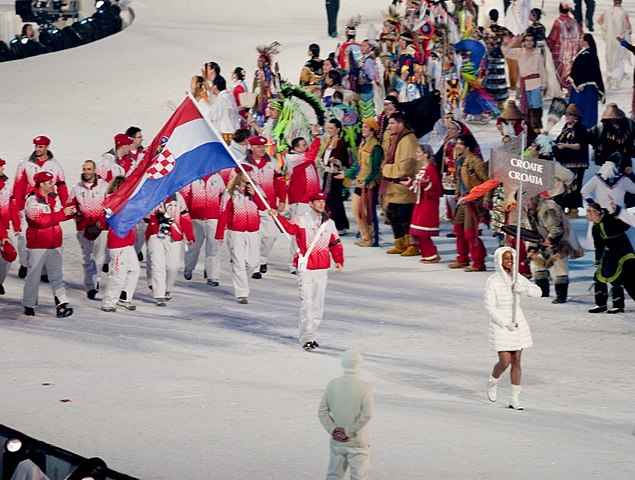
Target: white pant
<point>268,232</point>
<point>22,253</point>
<point>243,253</point>
<point>93,257</point>
<point>296,210</point>
<point>358,458</point>
<point>312,285</point>
<point>123,275</point>
<point>164,254</point>
<point>37,259</point>
<point>140,236</point>
<point>204,231</point>
<point>4,265</point>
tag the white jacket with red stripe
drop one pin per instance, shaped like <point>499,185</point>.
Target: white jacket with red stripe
<point>110,166</point>
<point>305,228</point>
<point>89,199</point>
<point>267,176</point>
<point>43,217</point>
<point>24,184</point>
<point>203,197</point>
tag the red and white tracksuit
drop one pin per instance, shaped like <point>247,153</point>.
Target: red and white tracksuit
<point>266,175</point>
<point>241,217</point>
<point>123,273</point>
<point>44,246</point>
<point>304,182</point>
<point>203,200</point>
<point>164,252</point>
<point>9,216</point>
<point>24,184</point>
<point>312,281</point>
<point>88,198</point>
<point>111,166</point>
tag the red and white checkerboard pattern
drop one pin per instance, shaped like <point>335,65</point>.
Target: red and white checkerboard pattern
<point>163,165</point>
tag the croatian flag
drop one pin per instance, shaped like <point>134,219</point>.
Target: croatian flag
<point>187,148</point>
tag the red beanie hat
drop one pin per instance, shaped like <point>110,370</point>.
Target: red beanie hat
<point>41,140</point>
<point>318,196</point>
<point>122,139</point>
<point>41,177</point>
<point>257,140</point>
<point>7,250</point>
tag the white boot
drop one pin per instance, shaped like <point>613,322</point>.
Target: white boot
<point>514,400</point>
<point>492,388</point>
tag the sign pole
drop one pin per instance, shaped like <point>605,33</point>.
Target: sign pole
<point>519,207</point>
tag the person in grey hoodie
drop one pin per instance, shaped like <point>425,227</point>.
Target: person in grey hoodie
<point>345,409</point>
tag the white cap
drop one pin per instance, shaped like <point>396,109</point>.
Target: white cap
<point>352,360</point>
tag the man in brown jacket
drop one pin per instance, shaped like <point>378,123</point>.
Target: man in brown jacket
<point>471,172</point>
<point>398,200</point>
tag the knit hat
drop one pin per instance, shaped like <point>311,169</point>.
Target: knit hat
<point>573,109</point>
<point>2,162</point>
<point>352,361</point>
<point>7,250</point>
<point>41,177</point>
<point>372,124</point>
<point>122,139</point>
<point>511,111</point>
<point>257,140</point>
<point>41,140</point>
<point>613,112</point>
<point>318,196</point>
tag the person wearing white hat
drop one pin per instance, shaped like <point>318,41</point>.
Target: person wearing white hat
<point>345,410</point>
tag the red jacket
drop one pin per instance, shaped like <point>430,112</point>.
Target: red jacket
<point>43,217</point>
<point>267,176</point>
<point>304,179</point>
<point>175,208</point>
<point>203,197</point>
<point>304,228</point>
<point>9,212</point>
<point>115,241</point>
<point>239,213</point>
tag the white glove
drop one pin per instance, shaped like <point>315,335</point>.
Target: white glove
<point>511,326</point>
<point>519,288</point>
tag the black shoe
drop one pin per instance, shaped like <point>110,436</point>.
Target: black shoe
<point>243,300</point>
<point>104,268</point>
<point>615,310</point>
<point>22,272</point>
<point>315,344</point>
<point>1,289</point>
<point>91,294</point>
<point>44,278</point>
<point>308,347</point>
<point>187,275</point>
<point>140,256</point>
<point>450,235</point>
<point>212,283</point>
<point>559,300</point>
<point>263,268</point>
<point>63,310</point>
<point>29,312</point>
<point>597,309</point>
<point>257,275</point>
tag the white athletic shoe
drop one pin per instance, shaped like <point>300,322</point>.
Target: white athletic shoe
<point>126,304</point>
<point>492,388</point>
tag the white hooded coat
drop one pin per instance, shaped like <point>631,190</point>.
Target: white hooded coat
<point>498,304</point>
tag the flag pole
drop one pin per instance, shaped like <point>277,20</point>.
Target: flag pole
<point>519,206</point>
<point>242,169</point>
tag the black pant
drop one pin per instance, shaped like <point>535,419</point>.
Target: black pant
<point>399,215</point>
<point>590,8</point>
<point>332,7</point>
<point>335,201</point>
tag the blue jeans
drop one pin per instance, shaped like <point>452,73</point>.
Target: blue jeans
<point>534,98</point>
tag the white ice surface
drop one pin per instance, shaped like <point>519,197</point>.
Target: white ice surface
<point>209,389</point>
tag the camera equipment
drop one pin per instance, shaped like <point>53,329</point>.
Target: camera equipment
<point>47,11</point>
<point>165,224</point>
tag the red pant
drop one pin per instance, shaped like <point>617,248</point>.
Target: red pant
<point>427,246</point>
<point>469,245</point>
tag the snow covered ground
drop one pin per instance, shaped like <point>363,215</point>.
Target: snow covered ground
<point>209,389</point>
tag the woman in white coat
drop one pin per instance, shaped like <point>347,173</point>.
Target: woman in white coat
<point>506,336</point>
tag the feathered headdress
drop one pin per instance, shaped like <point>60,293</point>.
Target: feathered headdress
<point>267,51</point>
<point>351,25</point>
<point>393,16</point>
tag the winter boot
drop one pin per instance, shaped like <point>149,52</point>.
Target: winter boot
<point>562,289</point>
<point>543,283</point>
<point>411,250</point>
<point>492,388</point>
<point>617,297</point>
<point>601,298</point>
<point>514,399</point>
<point>400,246</point>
